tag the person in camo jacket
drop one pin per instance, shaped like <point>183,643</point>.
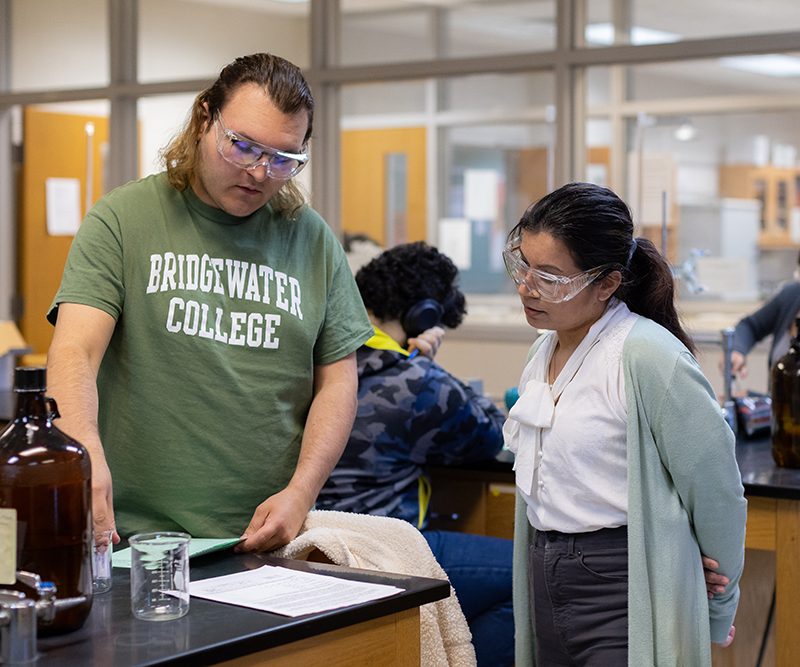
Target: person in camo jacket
<point>411,413</point>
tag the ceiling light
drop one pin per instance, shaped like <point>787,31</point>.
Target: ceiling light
<point>603,33</point>
<point>685,131</point>
<point>770,64</point>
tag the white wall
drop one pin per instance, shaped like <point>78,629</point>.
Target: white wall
<point>180,39</point>
<point>57,44</point>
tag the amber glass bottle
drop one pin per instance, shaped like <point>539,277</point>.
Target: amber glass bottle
<point>785,390</point>
<point>46,476</point>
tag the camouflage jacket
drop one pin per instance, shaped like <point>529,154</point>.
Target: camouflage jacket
<point>411,412</point>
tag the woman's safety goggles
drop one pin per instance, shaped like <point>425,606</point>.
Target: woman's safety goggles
<point>548,287</point>
<point>250,155</point>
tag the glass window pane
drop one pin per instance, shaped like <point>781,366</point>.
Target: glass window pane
<point>396,97</point>
<point>56,44</point>
<point>491,28</point>
<point>370,36</point>
<point>598,86</point>
<point>409,31</point>
<point>160,119</point>
<point>212,34</point>
<point>741,75</point>
<point>707,157</point>
<point>493,172</point>
<point>657,22</point>
<point>598,153</point>
<point>384,161</point>
<point>483,163</point>
<point>732,186</point>
<point>499,92</point>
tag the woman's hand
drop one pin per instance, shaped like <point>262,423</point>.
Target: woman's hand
<point>729,640</point>
<point>715,582</point>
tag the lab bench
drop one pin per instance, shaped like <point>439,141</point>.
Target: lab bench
<point>381,632</point>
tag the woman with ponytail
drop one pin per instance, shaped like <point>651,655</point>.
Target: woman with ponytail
<point>629,539</point>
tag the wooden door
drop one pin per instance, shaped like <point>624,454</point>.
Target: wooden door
<point>364,178</point>
<point>531,185</point>
<point>55,146</point>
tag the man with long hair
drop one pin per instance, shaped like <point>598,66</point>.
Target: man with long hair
<point>206,326</point>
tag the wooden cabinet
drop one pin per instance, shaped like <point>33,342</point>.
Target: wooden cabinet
<point>778,190</point>
<point>478,501</point>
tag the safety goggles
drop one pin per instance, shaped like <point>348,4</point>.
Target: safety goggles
<point>246,154</point>
<point>549,287</point>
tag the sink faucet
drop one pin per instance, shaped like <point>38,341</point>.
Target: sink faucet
<point>687,271</point>
<point>19,615</point>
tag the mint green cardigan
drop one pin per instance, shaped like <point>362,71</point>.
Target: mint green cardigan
<point>685,497</point>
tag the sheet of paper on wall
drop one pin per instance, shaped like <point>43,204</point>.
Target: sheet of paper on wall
<point>455,241</point>
<point>63,197</point>
<point>481,194</point>
<point>288,592</point>
<point>8,546</point>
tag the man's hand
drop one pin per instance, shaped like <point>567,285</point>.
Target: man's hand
<point>738,364</point>
<point>276,521</point>
<point>428,342</point>
<point>102,498</point>
<point>715,582</point>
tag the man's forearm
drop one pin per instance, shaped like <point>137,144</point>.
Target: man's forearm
<point>79,342</point>
<point>72,383</point>
<point>328,426</point>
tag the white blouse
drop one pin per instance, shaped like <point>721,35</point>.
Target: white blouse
<point>570,439</point>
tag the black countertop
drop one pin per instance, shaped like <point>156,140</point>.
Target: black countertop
<point>760,475</point>
<point>212,631</point>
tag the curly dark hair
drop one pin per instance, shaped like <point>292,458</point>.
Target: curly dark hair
<point>404,275</point>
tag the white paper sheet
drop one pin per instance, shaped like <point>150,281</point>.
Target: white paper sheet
<point>288,592</point>
<point>63,197</point>
<point>481,194</point>
<point>455,241</point>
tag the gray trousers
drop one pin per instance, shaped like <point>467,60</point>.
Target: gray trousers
<point>579,597</point>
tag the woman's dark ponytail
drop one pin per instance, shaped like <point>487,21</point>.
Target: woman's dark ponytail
<point>648,289</point>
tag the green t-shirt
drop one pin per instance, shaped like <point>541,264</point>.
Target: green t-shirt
<point>207,381</point>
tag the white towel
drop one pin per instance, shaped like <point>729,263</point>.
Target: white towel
<point>390,545</point>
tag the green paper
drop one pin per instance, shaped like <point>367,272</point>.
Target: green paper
<point>197,547</point>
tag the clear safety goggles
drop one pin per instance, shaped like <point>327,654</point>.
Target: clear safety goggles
<point>246,154</point>
<point>549,287</point>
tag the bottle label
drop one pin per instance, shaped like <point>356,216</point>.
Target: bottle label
<point>8,546</point>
